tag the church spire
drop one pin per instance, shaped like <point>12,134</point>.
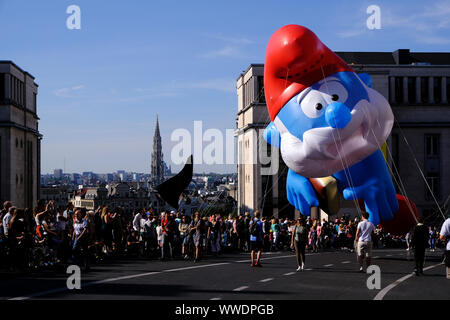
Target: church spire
<point>157,164</point>
<point>157,134</point>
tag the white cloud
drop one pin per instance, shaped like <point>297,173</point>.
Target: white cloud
<point>227,51</point>
<point>176,88</point>
<point>427,26</point>
<point>230,39</point>
<point>67,92</point>
<point>351,33</point>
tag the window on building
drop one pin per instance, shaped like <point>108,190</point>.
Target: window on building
<point>437,89</point>
<point>395,150</point>
<point>432,145</point>
<point>411,89</point>
<point>448,88</point>
<point>35,101</point>
<point>424,89</point>
<point>434,184</point>
<point>2,87</point>
<point>261,93</point>
<point>398,90</point>
<point>432,166</point>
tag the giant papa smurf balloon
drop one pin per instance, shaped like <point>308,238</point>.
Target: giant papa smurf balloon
<point>327,121</point>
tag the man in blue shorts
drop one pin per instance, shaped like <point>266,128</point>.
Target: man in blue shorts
<point>256,237</point>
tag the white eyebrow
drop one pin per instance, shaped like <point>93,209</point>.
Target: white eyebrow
<point>328,80</point>
<point>303,94</point>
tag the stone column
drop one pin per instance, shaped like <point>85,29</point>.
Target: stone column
<point>8,89</point>
<point>431,90</point>
<point>418,91</point>
<point>405,90</point>
<point>315,213</point>
<point>444,90</point>
<point>392,89</point>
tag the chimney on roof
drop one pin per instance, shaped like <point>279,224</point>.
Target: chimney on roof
<point>401,56</point>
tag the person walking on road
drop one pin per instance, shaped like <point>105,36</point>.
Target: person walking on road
<point>419,241</point>
<point>298,241</point>
<point>364,240</point>
<point>445,236</point>
<point>256,238</point>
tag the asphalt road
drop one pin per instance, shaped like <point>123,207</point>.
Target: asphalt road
<point>328,275</point>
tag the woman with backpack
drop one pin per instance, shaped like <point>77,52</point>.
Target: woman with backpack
<point>298,241</point>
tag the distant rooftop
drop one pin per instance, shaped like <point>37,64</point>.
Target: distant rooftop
<point>399,57</point>
<point>16,66</point>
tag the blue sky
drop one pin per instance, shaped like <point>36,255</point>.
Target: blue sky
<point>100,87</point>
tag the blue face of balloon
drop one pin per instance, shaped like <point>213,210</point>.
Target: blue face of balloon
<point>325,104</point>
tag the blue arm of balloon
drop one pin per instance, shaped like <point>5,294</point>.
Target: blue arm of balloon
<point>300,193</point>
<point>272,135</point>
<point>370,181</point>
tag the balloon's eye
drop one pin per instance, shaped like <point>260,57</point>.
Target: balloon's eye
<point>335,97</point>
<point>319,106</point>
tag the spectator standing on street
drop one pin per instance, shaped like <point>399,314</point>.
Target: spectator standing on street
<point>6,220</point>
<point>364,234</point>
<point>419,241</point>
<point>198,227</point>
<point>298,241</point>
<point>432,238</point>
<point>137,221</point>
<point>256,237</point>
<point>240,229</point>
<point>80,239</point>
<point>166,236</point>
<point>445,236</point>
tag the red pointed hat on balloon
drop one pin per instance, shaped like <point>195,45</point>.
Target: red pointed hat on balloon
<point>296,59</point>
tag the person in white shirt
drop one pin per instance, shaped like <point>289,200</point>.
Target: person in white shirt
<point>445,235</point>
<point>364,240</point>
<point>137,222</point>
<point>6,220</point>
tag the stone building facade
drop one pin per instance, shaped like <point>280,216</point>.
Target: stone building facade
<point>127,196</point>
<point>20,140</point>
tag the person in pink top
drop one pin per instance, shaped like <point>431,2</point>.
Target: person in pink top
<point>319,235</point>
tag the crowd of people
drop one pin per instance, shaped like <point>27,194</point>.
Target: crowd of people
<point>48,235</point>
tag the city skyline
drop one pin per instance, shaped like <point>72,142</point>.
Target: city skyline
<point>100,87</point>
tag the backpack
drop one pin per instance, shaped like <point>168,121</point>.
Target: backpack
<point>302,233</point>
<point>254,230</point>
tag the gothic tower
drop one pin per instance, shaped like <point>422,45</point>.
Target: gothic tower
<point>157,158</point>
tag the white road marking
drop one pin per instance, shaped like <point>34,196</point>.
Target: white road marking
<point>389,255</point>
<point>215,299</point>
<point>384,291</point>
<point>266,280</point>
<point>59,290</point>
<point>92,283</point>
<point>309,269</point>
<point>262,259</point>
<point>289,274</point>
<point>240,288</point>
<point>328,265</point>
<point>345,262</point>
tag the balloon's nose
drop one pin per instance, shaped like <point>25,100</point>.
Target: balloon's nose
<point>338,115</point>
